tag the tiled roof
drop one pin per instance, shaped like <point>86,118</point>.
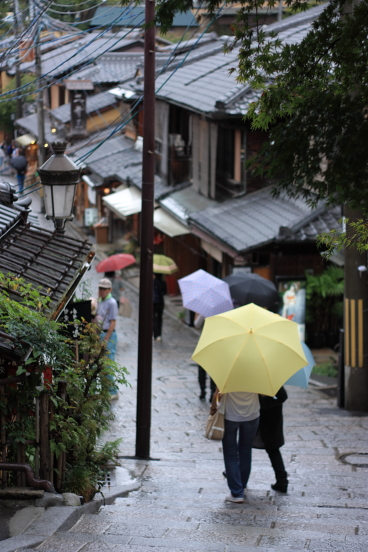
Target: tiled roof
<point>324,222</point>
<point>113,67</point>
<point>30,124</point>
<point>94,103</point>
<point>185,202</point>
<point>53,261</point>
<point>117,158</point>
<point>122,66</point>
<point>78,53</point>
<point>254,220</point>
<point>8,218</point>
<point>205,85</point>
<point>129,17</point>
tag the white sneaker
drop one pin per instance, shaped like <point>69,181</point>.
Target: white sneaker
<point>158,338</point>
<point>231,498</point>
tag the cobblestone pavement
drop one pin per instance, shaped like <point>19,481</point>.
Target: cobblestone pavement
<point>180,505</point>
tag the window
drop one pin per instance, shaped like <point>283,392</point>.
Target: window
<point>230,166</point>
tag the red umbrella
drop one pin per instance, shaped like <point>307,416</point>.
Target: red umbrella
<point>115,262</point>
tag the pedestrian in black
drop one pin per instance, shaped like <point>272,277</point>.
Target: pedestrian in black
<point>270,435</point>
<point>159,291</point>
<point>202,374</point>
<point>19,163</point>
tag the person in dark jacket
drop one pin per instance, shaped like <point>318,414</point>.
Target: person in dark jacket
<point>159,290</point>
<point>270,435</point>
<point>19,163</point>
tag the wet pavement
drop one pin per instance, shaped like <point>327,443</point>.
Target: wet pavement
<point>180,504</point>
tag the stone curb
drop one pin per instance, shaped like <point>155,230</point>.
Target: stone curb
<point>62,518</point>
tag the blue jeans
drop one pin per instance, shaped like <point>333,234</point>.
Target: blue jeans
<point>111,347</point>
<point>238,453</point>
<point>20,179</point>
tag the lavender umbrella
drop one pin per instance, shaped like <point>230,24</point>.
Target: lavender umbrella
<point>205,294</point>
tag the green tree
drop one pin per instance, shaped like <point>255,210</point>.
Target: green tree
<point>313,98</point>
<point>80,418</point>
<point>8,109</point>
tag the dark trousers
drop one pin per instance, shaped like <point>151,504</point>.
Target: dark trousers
<point>237,450</point>
<point>20,179</point>
<point>278,465</point>
<point>202,375</point>
<point>158,309</point>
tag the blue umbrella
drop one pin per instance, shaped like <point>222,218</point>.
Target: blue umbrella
<point>203,293</point>
<point>301,377</point>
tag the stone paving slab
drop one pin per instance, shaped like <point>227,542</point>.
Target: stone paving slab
<point>180,503</point>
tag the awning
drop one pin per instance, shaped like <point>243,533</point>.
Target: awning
<point>168,224</point>
<point>124,203</point>
<point>26,139</point>
<point>88,180</point>
<point>122,93</point>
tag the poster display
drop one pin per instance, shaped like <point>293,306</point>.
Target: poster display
<point>293,301</point>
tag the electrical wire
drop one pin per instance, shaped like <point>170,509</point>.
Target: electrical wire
<point>73,5</point>
<point>7,22</point>
<point>73,34</point>
<point>136,103</point>
<point>80,11</point>
<point>23,34</point>
<point>86,20</point>
<point>65,61</point>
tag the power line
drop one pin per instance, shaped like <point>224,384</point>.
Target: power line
<point>24,33</point>
<point>65,61</point>
<point>73,5</point>
<point>79,11</point>
<point>136,103</point>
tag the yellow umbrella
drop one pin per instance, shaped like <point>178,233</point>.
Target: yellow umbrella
<point>250,349</point>
<point>163,264</point>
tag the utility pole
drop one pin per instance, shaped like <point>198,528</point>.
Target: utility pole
<point>39,103</point>
<point>31,11</point>
<point>356,323</point>
<point>279,14</point>
<point>355,312</point>
<point>18,32</point>
<point>144,387</point>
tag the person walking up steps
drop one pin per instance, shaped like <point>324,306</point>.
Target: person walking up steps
<point>241,424</point>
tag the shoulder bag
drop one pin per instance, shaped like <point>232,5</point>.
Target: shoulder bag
<point>215,425</point>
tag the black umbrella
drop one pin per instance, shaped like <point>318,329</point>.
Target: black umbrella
<point>252,288</point>
<point>19,163</point>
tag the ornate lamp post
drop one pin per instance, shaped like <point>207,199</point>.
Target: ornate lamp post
<point>59,178</point>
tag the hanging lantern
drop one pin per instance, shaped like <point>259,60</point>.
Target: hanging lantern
<point>59,178</point>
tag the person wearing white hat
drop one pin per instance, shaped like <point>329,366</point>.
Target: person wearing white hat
<point>107,312</point>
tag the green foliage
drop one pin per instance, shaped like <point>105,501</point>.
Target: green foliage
<point>313,96</point>
<point>23,318</point>
<point>84,290</point>
<point>356,236</point>
<point>9,108</point>
<point>79,419</point>
<point>314,102</point>
<point>324,299</point>
<point>328,369</point>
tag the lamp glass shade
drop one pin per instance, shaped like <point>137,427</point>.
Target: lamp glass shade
<point>59,200</point>
<point>59,178</point>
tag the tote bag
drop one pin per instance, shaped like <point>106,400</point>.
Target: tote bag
<point>215,426</point>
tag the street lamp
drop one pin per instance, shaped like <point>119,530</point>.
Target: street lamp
<point>59,179</point>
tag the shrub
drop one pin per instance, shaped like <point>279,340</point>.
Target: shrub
<point>78,418</point>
